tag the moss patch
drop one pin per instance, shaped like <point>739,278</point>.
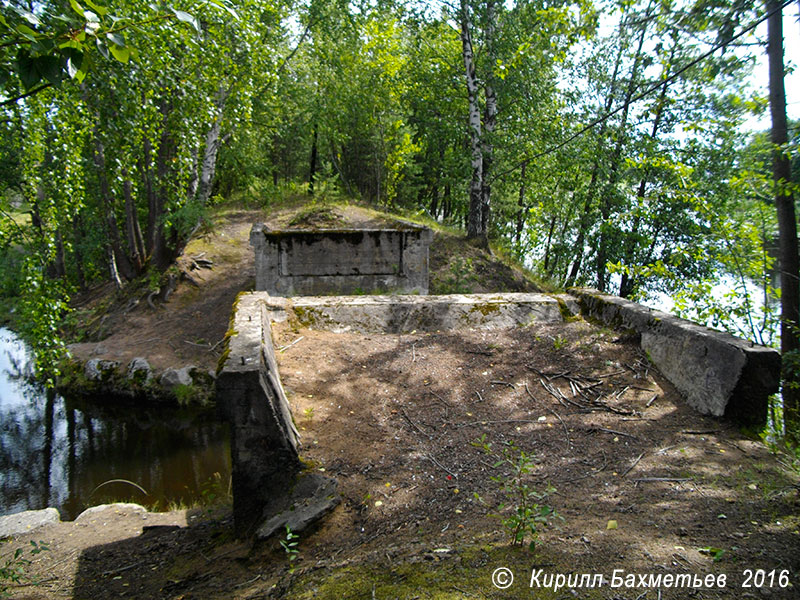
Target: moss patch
<point>441,574</point>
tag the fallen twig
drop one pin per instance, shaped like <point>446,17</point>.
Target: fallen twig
<point>483,352</point>
<point>511,385</point>
<point>248,582</point>
<point>564,425</point>
<point>495,422</point>
<point>699,431</point>
<point>651,479</point>
<point>442,400</point>
<point>206,346</point>
<point>123,569</point>
<point>622,391</point>
<point>410,422</point>
<point>440,465</point>
<point>639,387</point>
<point>653,399</point>
<point>287,346</point>
<point>618,411</point>
<point>552,391</point>
<point>633,464</point>
<point>604,430</point>
<point>612,374</point>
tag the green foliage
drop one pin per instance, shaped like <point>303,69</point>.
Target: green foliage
<point>51,42</point>
<point>289,545</point>
<point>13,569</point>
<point>461,275</point>
<point>528,512</point>
<point>716,553</point>
<point>186,394</point>
<point>559,342</point>
<point>215,491</point>
<point>41,309</point>
<point>664,196</point>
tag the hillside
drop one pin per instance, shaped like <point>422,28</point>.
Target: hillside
<point>188,327</point>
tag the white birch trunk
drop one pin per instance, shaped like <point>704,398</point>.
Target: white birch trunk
<point>213,142</point>
<point>474,216</point>
<point>490,117</point>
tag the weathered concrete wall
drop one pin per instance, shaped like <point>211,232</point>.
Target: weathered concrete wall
<point>719,374</point>
<point>290,263</point>
<point>401,314</point>
<point>264,440</point>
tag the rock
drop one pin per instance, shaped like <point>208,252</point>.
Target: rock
<point>118,508</point>
<point>29,520</point>
<point>202,377</point>
<point>100,370</point>
<point>139,370</point>
<point>172,378</point>
<point>312,498</point>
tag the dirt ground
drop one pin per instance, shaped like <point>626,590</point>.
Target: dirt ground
<point>399,419</point>
<point>396,418</point>
<point>188,328</point>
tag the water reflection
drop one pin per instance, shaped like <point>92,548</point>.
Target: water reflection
<point>56,451</point>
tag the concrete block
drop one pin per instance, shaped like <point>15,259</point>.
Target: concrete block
<point>717,373</point>
<point>402,314</point>
<point>264,440</point>
<point>341,261</point>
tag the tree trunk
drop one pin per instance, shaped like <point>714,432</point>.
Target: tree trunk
<point>583,225</point>
<point>194,178</point>
<point>150,193</point>
<point>77,248</point>
<point>132,229</point>
<point>521,206</point>
<point>787,220</point>
<point>312,169</point>
<point>475,211</point>
<point>121,264</point>
<point>213,142</point>
<point>608,192</point>
<point>629,283</point>
<point>434,208</point>
<point>489,119</point>
<point>163,250</point>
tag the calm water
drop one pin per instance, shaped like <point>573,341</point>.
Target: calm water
<point>56,451</point>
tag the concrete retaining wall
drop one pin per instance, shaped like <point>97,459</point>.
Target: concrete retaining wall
<point>264,440</point>
<point>719,374</point>
<point>402,314</point>
<point>297,262</point>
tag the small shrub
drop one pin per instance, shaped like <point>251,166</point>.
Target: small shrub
<point>289,545</point>
<point>13,569</point>
<point>529,514</point>
<point>462,273</point>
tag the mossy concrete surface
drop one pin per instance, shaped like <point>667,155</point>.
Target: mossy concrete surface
<point>403,314</point>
